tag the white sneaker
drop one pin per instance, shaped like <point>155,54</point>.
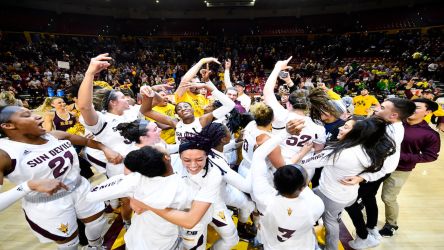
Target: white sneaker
<point>359,243</point>
<point>375,232</point>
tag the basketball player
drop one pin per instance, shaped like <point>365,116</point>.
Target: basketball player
<point>28,155</point>
<point>288,208</point>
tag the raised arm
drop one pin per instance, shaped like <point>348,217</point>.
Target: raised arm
<point>227,106</point>
<point>118,186</point>
<point>85,99</point>
<point>191,73</point>
<point>227,80</point>
<point>147,107</point>
<point>269,97</point>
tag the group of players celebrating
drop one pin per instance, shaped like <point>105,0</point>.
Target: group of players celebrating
<point>177,190</point>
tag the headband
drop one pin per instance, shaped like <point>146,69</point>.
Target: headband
<point>108,99</point>
<point>7,112</point>
<point>142,126</point>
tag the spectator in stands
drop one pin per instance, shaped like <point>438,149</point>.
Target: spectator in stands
<point>364,102</point>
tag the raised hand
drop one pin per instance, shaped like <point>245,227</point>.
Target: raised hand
<point>49,186</point>
<point>227,64</point>
<point>205,74</point>
<point>209,60</point>
<point>98,63</point>
<point>283,65</point>
<point>147,91</point>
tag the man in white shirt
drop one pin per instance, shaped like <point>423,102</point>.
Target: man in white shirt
<point>242,97</point>
<point>393,110</point>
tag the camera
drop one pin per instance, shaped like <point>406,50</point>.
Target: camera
<point>283,74</point>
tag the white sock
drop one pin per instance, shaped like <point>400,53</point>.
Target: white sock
<point>93,231</point>
<point>70,245</point>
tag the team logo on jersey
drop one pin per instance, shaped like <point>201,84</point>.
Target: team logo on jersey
<point>63,228</point>
<point>221,215</point>
<point>289,211</point>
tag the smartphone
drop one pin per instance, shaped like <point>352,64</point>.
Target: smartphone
<point>283,74</point>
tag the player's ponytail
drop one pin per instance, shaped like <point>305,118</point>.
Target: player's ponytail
<point>148,161</point>
<point>132,131</point>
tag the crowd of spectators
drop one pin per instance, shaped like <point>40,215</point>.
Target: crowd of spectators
<point>383,63</point>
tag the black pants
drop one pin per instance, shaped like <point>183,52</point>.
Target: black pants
<point>367,198</point>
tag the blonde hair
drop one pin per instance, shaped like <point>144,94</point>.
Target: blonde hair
<point>7,98</point>
<point>46,105</point>
<point>262,113</point>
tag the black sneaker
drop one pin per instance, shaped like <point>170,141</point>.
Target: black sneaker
<point>246,231</point>
<point>388,230</point>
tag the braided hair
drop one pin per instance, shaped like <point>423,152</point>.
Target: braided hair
<point>210,137</point>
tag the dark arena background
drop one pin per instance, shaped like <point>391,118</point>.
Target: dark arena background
<point>392,48</point>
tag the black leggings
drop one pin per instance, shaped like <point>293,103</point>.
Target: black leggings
<point>367,194</point>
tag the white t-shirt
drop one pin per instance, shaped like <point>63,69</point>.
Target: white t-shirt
<point>245,101</point>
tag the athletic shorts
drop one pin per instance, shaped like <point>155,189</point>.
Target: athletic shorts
<point>57,220</point>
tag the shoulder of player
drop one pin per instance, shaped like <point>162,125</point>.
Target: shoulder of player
<point>5,162</point>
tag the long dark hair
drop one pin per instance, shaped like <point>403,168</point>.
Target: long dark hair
<point>371,134</point>
<point>132,131</point>
<point>235,120</point>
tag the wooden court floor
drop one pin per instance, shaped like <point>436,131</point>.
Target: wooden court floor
<point>421,219</point>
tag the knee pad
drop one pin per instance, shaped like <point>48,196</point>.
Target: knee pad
<point>70,245</point>
<point>94,230</point>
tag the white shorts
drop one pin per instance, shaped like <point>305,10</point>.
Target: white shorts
<point>195,238</point>
<point>57,220</point>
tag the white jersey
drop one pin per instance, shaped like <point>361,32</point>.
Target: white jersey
<point>56,159</point>
<point>288,223</point>
<point>158,192</point>
<point>105,132</point>
<point>312,132</point>
<point>206,184</point>
<point>284,223</point>
<point>186,130</point>
<point>251,132</point>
